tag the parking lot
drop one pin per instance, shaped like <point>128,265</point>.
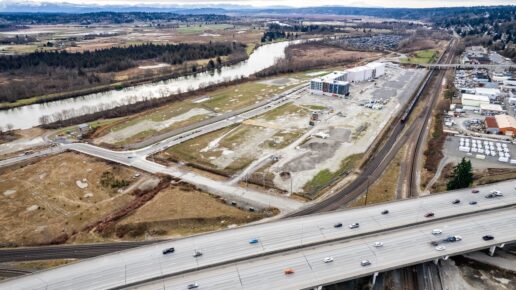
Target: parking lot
<point>483,152</point>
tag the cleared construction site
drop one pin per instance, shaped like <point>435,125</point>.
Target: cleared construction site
<point>306,142</point>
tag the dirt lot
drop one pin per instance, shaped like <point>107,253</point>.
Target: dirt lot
<point>176,211</point>
<point>53,200</point>
<point>57,195</point>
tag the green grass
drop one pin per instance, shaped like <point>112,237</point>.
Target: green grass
<point>283,110</point>
<point>200,28</point>
<point>324,177</point>
<point>250,48</point>
<point>421,57</point>
<point>317,107</point>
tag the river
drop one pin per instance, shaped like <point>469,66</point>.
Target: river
<point>29,116</point>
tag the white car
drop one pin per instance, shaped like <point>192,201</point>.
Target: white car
<point>328,259</point>
<point>437,232</point>
<point>378,244</point>
<point>440,248</point>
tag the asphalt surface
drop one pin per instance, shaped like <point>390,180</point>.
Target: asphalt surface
<point>223,247</point>
<point>310,270</point>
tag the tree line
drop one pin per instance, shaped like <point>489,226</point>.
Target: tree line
<point>117,58</point>
<point>105,17</point>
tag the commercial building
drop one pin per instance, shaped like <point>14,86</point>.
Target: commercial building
<point>506,124</point>
<point>473,102</point>
<point>488,92</point>
<point>329,87</point>
<point>491,109</point>
<point>491,126</point>
<point>337,83</point>
<point>510,82</point>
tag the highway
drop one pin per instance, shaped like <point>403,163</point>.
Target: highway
<point>400,248</point>
<point>468,66</point>
<point>219,248</point>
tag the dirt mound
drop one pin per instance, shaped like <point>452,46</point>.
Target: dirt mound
<point>319,150</point>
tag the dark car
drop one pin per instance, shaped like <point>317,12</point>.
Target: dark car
<point>475,191</point>
<point>385,212</point>
<point>488,237</point>
<point>337,225</point>
<point>192,286</point>
<point>168,251</point>
<point>197,254</point>
<point>434,243</point>
<point>430,214</point>
<point>472,202</point>
<point>457,201</point>
<point>452,239</point>
<point>491,195</point>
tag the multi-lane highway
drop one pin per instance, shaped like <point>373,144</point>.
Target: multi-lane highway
<point>400,248</point>
<point>220,248</point>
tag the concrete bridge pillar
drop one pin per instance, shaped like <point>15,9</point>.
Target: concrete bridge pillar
<point>446,258</point>
<point>375,275</point>
<point>436,261</point>
<point>492,250</point>
<point>318,288</point>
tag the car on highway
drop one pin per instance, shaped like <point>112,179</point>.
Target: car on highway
<point>328,260</point>
<point>253,241</point>
<point>197,254</point>
<point>473,202</point>
<point>437,232</point>
<point>429,215</point>
<point>192,286</point>
<point>457,201</point>
<point>494,194</point>
<point>337,225</point>
<point>378,244</point>
<point>440,248</point>
<point>488,238</point>
<point>168,251</point>
<point>385,211</point>
<point>365,263</point>
<point>452,239</point>
<point>354,225</point>
<point>475,191</point>
<point>288,271</point>
<point>434,243</point>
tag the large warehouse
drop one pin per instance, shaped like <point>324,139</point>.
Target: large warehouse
<point>473,102</point>
<point>337,83</point>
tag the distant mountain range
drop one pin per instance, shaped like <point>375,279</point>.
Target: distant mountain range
<point>14,6</point>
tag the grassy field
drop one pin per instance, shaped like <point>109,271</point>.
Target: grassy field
<point>325,176</point>
<point>421,57</point>
<point>199,28</point>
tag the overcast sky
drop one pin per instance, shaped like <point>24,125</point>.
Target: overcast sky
<point>294,3</point>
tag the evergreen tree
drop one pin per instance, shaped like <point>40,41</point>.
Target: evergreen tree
<point>462,175</point>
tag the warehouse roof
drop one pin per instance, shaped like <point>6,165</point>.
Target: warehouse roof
<point>491,107</point>
<point>487,91</point>
<point>491,122</point>
<point>505,121</point>
<point>475,97</point>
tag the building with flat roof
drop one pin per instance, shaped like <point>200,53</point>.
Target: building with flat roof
<point>491,109</point>
<point>491,125</point>
<point>506,124</point>
<point>473,102</point>
<point>489,92</point>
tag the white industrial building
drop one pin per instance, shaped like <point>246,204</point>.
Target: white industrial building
<point>491,109</point>
<point>473,102</point>
<point>337,83</point>
<point>488,92</point>
<point>367,72</point>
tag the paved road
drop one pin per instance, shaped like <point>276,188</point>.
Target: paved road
<point>468,66</point>
<point>401,248</point>
<point>222,247</point>
<point>229,191</point>
<point>22,158</point>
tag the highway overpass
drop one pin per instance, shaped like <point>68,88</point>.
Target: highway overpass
<point>223,248</point>
<point>400,248</point>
